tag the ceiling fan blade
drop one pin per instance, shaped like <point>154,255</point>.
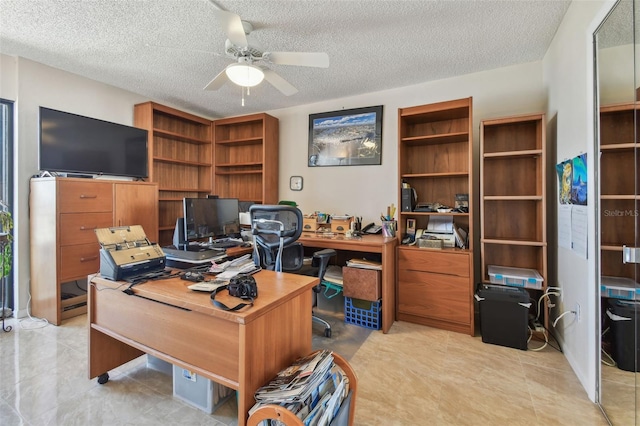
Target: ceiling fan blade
<point>218,81</point>
<point>279,83</point>
<point>232,25</point>
<point>302,59</point>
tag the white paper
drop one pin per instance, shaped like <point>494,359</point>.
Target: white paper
<point>579,230</point>
<point>564,226</point>
<point>440,224</point>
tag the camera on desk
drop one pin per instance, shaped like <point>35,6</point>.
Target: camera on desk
<point>243,286</point>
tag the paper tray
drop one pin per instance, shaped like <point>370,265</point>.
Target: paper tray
<point>515,277</point>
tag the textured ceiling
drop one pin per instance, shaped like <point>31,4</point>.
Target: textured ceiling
<point>168,50</point>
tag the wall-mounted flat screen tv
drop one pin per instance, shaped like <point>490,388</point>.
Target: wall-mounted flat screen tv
<point>71,143</point>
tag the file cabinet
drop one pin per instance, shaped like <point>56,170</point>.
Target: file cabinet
<point>64,248</point>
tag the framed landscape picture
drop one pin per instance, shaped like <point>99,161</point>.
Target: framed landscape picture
<point>350,137</point>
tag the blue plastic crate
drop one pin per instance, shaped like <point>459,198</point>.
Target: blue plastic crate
<point>363,313</point>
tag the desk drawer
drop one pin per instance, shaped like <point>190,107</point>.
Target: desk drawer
<point>441,262</point>
<point>83,197</point>
<point>78,261</point>
<point>78,228</point>
<point>427,295</point>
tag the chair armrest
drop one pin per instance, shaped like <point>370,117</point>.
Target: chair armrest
<point>321,260</point>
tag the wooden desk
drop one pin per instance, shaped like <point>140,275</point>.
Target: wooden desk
<point>241,350</point>
<point>368,244</point>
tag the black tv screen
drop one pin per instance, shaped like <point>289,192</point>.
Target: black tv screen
<point>75,144</point>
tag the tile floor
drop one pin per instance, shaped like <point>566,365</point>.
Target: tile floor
<point>413,375</point>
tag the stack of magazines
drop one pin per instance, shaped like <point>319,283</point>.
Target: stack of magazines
<point>312,388</point>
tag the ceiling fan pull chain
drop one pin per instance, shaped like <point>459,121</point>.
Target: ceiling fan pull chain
<point>243,96</point>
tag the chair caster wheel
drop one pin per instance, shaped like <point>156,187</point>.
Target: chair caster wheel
<point>327,332</point>
<point>103,378</point>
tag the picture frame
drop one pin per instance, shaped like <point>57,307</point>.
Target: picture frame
<point>350,137</point>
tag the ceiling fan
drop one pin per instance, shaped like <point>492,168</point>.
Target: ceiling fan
<point>247,71</point>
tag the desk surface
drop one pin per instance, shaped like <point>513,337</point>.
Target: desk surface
<point>367,244</point>
<point>242,350</point>
<point>273,288</point>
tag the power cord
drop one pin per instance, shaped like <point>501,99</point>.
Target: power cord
<point>562,315</point>
<point>546,341</point>
<point>610,361</point>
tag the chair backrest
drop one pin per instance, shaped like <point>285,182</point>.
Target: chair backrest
<point>275,229</point>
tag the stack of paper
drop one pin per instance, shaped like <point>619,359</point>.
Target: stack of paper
<point>364,264</point>
<point>312,388</point>
<point>333,274</point>
<point>229,269</point>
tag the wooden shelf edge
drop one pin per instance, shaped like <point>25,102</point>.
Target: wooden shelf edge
<point>620,197</point>
<point>81,298</point>
<point>253,163</point>
<point>514,119</point>
<point>619,146</point>
<point>513,198</point>
<point>508,242</point>
<point>512,154</point>
<point>611,247</point>
<point>177,136</point>
<point>625,106</point>
<point>442,250</point>
<point>201,190</point>
<point>458,137</point>
<point>167,110</point>
<point>182,162</point>
<point>244,141</point>
<point>435,175</point>
<point>433,214</point>
<point>242,172</point>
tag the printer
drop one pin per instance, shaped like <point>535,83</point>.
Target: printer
<point>125,253</point>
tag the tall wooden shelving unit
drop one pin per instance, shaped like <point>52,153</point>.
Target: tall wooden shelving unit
<point>618,186</point>
<point>435,286</point>
<point>180,159</point>
<point>246,158</point>
<point>513,230</point>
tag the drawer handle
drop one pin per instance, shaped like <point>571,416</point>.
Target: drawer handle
<point>88,259</point>
<point>88,196</point>
<point>87,228</point>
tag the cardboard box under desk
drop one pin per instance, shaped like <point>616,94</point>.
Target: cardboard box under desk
<point>359,283</point>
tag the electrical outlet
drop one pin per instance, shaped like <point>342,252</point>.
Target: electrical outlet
<point>538,327</point>
<point>577,312</point>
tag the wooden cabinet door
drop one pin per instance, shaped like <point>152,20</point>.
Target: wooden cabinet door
<point>137,204</point>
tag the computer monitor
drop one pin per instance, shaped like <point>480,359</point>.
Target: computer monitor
<point>212,218</point>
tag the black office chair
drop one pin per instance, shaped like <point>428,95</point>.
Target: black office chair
<point>276,229</point>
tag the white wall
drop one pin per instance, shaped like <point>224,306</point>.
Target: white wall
<point>568,76</point>
<point>617,74</point>
<point>367,190</point>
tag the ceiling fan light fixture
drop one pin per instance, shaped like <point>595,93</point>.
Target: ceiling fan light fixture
<point>244,74</point>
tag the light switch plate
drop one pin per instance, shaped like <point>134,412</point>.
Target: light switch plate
<point>295,183</point>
